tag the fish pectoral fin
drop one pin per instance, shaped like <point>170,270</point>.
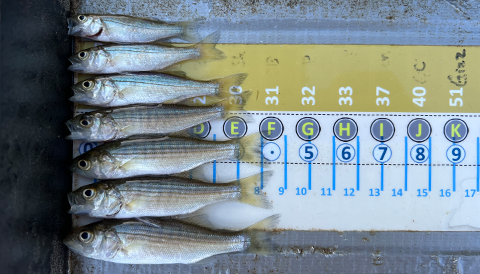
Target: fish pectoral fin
<point>178,73</point>
<point>199,218</point>
<point>155,222</point>
<point>196,173</point>
<point>131,206</point>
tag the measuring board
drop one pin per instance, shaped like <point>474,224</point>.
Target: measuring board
<point>359,137</point>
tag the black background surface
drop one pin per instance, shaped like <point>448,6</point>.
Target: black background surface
<point>33,152</point>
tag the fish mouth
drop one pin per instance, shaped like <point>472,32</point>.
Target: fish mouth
<point>71,26</point>
<point>74,98</point>
<point>75,134</point>
<point>70,126</point>
<point>75,206</point>
<point>78,98</point>
<point>73,203</point>
<point>75,67</point>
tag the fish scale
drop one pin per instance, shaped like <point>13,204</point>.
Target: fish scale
<point>141,57</point>
<point>183,243</point>
<point>121,123</point>
<point>151,88</point>
<point>165,196</point>
<point>154,156</point>
<point>166,241</point>
<point>162,120</point>
<point>126,29</point>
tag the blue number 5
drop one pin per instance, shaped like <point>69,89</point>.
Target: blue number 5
<point>307,151</point>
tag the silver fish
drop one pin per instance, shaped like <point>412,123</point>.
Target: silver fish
<point>126,29</point>
<point>159,197</point>
<point>164,241</point>
<point>124,122</point>
<point>144,157</point>
<point>140,57</point>
<point>150,88</point>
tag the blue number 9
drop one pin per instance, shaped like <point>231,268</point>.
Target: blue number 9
<point>281,190</point>
<point>458,153</point>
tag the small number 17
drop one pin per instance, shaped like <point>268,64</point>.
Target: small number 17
<point>472,191</point>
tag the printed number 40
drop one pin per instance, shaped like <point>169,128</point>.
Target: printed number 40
<point>419,92</point>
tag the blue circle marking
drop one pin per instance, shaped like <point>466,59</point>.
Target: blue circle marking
<point>345,153</point>
<point>86,146</point>
<point>419,153</point>
<point>382,153</point>
<point>271,151</point>
<point>308,152</point>
<point>456,154</point>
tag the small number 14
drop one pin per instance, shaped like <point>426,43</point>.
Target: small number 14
<point>397,192</point>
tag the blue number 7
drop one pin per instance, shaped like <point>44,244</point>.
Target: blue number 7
<point>384,152</point>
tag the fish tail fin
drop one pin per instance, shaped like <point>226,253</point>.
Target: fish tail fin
<point>190,30</point>
<point>223,92</point>
<point>232,81</point>
<point>234,104</point>
<point>207,48</point>
<point>250,149</point>
<point>260,241</point>
<point>250,190</point>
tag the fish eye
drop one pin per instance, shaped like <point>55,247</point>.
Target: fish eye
<point>89,193</point>
<point>85,236</point>
<point>83,55</point>
<point>86,121</point>
<point>82,18</point>
<point>84,164</point>
<point>88,84</point>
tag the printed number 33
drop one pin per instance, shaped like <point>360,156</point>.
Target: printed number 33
<point>345,100</point>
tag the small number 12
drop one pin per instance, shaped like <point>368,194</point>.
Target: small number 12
<point>351,192</point>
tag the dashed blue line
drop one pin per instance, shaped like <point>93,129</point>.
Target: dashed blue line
<point>238,170</point>
<point>358,163</point>
<point>454,183</point>
<point>430,164</point>
<point>214,164</point>
<point>406,164</point>
<point>333,161</point>
<point>381,182</point>
<point>309,173</point>
<point>285,166</point>
<point>261,162</point>
<point>478,163</point>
